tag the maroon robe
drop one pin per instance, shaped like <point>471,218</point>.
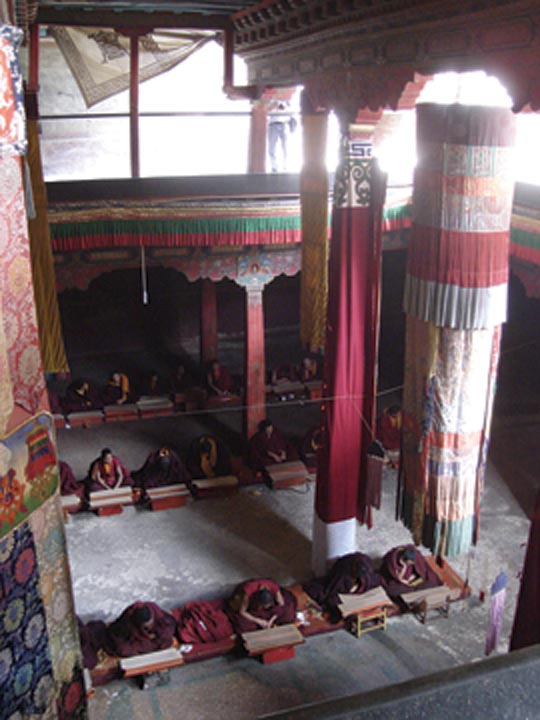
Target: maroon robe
<point>261,445</point>
<point>355,570</point>
<point>68,483</point>
<point>389,431</point>
<point>79,400</point>
<point>285,613</point>
<point>93,636</point>
<point>419,576</point>
<point>526,630</point>
<point>110,475</point>
<point>223,381</point>
<point>154,473</point>
<point>126,636</point>
<point>202,622</point>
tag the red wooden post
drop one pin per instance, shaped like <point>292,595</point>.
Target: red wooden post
<point>255,365</point>
<point>33,62</point>
<point>208,345</point>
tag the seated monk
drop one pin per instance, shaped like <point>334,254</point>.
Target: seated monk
<point>219,380</point>
<point>162,467</point>
<point>261,604</point>
<point>142,628</point>
<point>117,391</point>
<point>107,473</point>
<point>207,458</point>
<point>350,574</point>
<point>268,446</point>
<point>307,370</point>
<point>81,396</point>
<point>93,636</point>
<point>180,380</point>
<point>389,428</point>
<point>310,447</point>
<point>153,386</point>
<point>405,569</point>
<point>68,484</point>
<point>284,374</point>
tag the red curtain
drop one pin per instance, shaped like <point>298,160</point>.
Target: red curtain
<point>351,336</point>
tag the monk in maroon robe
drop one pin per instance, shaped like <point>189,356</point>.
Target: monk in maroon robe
<point>351,574</point>
<point>107,473</point>
<point>93,636</point>
<point>142,628</point>
<point>162,467</point>
<point>405,569</point>
<point>268,447</point>
<point>118,390</point>
<point>68,483</point>
<point>389,428</point>
<point>180,380</point>
<point>261,604</point>
<point>81,395</point>
<point>207,458</point>
<point>219,380</point>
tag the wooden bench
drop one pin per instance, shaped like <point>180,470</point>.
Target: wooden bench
<point>421,602</point>
<point>274,644</point>
<point>85,418</point>
<point>368,610</point>
<point>120,413</point>
<point>289,390</point>
<point>149,406</point>
<point>286,474</point>
<point>111,502</point>
<point>217,401</point>
<point>218,486</point>
<point>168,496</point>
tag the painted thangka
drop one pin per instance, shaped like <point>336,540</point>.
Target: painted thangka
<point>455,299</point>
<point>40,661</point>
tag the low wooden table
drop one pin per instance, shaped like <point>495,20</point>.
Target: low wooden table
<point>367,610</point>
<point>274,644</point>
<point>168,496</point>
<point>421,602</point>
<point>70,504</point>
<point>111,502</point>
<point>218,486</point>
<point>120,413</point>
<point>85,418</point>
<point>286,474</point>
<point>151,662</point>
<point>155,406</point>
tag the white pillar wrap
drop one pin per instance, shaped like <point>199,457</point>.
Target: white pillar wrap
<point>330,541</point>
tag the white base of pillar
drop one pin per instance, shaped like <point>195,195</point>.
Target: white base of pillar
<point>330,541</point>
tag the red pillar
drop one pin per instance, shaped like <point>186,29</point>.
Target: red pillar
<point>257,138</point>
<point>255,366</point>
<point>208,321</point>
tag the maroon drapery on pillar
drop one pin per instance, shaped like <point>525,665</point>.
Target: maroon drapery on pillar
<point>255,365</point>
<point>351,348</point>
<point>526,630</point>
<point>208,321</point>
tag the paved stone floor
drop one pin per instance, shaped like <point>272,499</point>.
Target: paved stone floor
<point>205,548</point>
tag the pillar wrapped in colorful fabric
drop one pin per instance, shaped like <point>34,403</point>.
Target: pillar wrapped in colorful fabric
<point>455,297</point>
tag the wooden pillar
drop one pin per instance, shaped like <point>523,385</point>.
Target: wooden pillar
<point>255,364</point>
<point>134,105</point>
<point>208,321</point>
<point>257,138</point>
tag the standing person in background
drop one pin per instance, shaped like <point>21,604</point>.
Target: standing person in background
<point>280,123</point>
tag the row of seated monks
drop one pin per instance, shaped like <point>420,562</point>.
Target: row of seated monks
<point>82,395</point>
<point>254,605</point>
<point>207,457</point>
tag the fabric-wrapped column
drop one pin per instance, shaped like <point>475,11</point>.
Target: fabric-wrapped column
<point>314,208</point>
<point>455,298</point>
<point>350,360</point>
<point>255,366</point>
